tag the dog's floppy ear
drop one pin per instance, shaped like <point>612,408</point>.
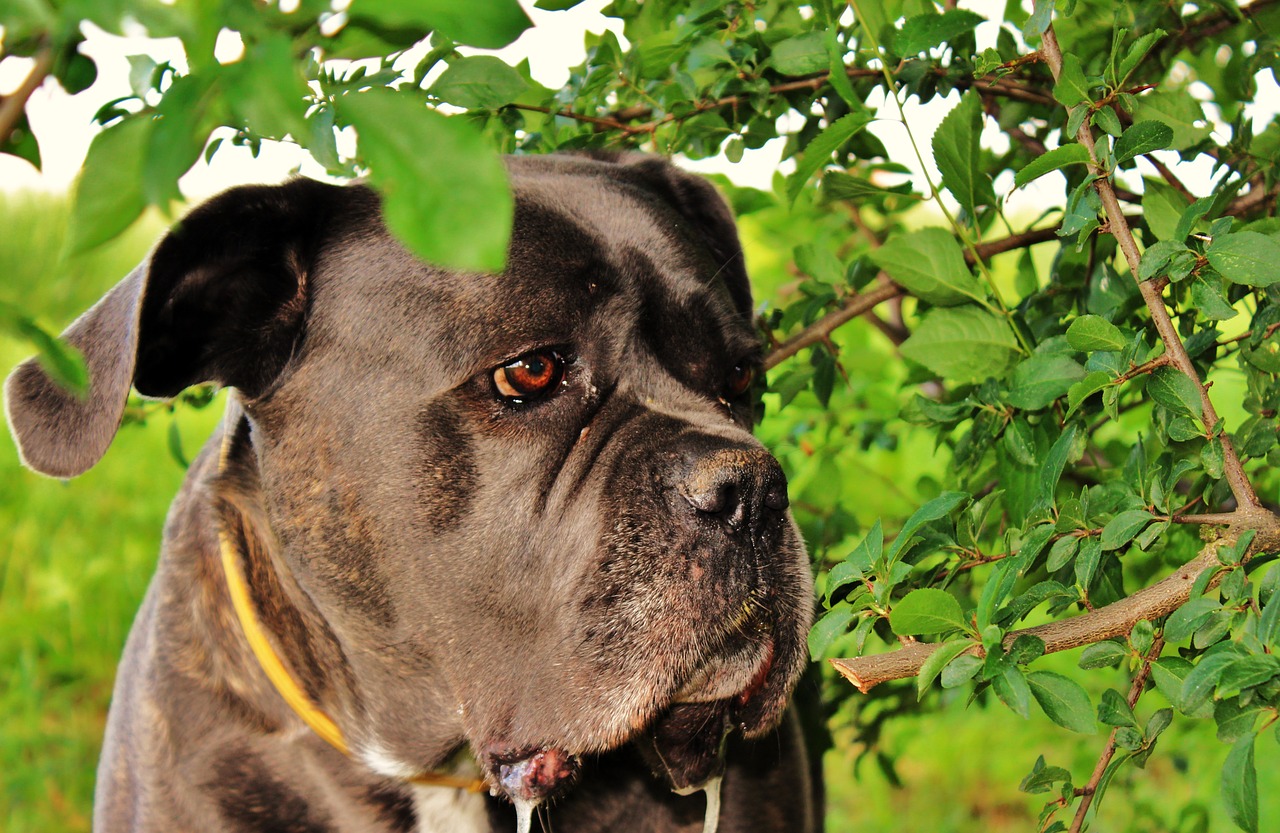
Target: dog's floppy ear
<point>222,298</point>
<point>698,203</point>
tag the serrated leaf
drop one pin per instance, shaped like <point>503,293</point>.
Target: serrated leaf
<point>1174,389</point>
<point>1093,332</point>
<point>1072,154</point>
<point>1179,111</point>
<point>929,264</point>
<point>482,82</point>
<point>938,660</point>
<point>1063,700</point>
<point>939,507</point>
<point>958,155</point>
<point>1246,257</point>
<point>1208,297</point>
<point>445,195</point>
<point>926,31</point>
<point>963,344</point>
<point>837,185</point>
<point>1240,785</point>
<point>818,152</point>
<point>926,610</point>
<point>1137,51</point>
<point>1143,137</point>
<point>1086,387</point>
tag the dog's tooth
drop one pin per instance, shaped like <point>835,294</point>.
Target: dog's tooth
<point>711,820</point>
<point>524,814</point>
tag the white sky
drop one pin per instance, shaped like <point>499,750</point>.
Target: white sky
<point>555,43</point>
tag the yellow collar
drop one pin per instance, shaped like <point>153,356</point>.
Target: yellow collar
<point>320,723</point>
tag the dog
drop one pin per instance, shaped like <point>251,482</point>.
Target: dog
<point>496,533</point>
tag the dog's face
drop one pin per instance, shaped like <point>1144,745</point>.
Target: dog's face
<point>522,511</point>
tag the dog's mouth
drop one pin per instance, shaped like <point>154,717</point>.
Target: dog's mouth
<point>684,745</point>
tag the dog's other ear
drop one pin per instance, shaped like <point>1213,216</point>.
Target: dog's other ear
<point>697,202</point>
<point>222,298</point>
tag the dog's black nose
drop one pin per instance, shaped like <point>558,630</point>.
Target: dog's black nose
<point>741,487</point>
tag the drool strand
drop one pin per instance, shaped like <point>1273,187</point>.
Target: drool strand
<point>711,820</point>
<point>524,814</point>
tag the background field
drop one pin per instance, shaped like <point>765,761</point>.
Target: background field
<point>76,559</point>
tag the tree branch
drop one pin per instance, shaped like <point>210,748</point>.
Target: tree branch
<point>14,105</point>
<point>1119,227</point>
<point>1108,752</point>
<point>850,307</point>
<point>1116,619</point>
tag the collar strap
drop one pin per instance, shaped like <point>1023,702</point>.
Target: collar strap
<point>311,714</point>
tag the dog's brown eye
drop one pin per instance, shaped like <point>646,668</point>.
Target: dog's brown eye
<point>740,378</point>
<point>529,376</point>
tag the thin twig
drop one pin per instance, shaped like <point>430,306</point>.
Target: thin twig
<point>850,307</point>
<point>13,105</point>
<point>1135,692</point>
<point>1119,227</point>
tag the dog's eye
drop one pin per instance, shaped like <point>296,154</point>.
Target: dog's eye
<point>529,376</point>
<point>740,378</point>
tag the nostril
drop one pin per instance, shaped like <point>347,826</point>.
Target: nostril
<point>776,497</point>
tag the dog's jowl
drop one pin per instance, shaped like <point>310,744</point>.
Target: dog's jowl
<point>464,540</point>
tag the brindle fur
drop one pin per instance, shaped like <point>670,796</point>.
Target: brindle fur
<point>442,570</point>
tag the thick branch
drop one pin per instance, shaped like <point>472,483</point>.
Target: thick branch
<point>12,106</point>
<point>1119,227</point>
<point>1116,619</point>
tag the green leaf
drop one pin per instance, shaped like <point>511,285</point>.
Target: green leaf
<point>491,24</point>
<point>1093,332</point>
<point>1011,687</point>
<point>1041,379</point>
<point>1106,654</point>
<point>109,190</point>
<point>60,360</point>
<point>556,5</point>
<point>1114,710</point>
<point>1054,462</point>
<point>1240,785</point>
<point>938,660</point>
<point>1234,720</point>
<point>1188,218</point>
<point>482,82</point>
<point>1072,154</point>
<point>929,264</point>
<point>925,31</point>
<point>1137,51</point>
<point>1247,672</point>
<point>927,610</point>
<point>1086,387</point>
<point>1063,700</point>
<point>1071,88</point>
<point>1121,529</point>
<point>963,344</point>
<point>958,156</point>
<point>1143,137</point>
<point>1208,297</point>
<point>818,152</point>
<point>960,670</point>
<point>266,89</point>
<point>1179,111</point>
<point>837,185</point>
<point>445,195</point>
<point>1174,389</point>
<point>800,55</point>
<point>833,624</point>
<point>1193,613</point>
<point>1246,257</point>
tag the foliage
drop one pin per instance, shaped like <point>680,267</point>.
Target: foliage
<point>1047,467</point>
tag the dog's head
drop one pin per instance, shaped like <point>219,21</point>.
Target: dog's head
<point>523,511</point>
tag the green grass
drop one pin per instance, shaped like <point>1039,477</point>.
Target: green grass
<point>78,557</point>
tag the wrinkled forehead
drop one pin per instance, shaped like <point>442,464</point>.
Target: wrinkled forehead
<point>592,259</point>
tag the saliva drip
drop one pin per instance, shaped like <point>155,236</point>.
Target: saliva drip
<point>711,820</point>
<point>524,814</point>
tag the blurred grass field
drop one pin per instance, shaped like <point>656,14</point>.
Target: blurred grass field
<point>77,558</point>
